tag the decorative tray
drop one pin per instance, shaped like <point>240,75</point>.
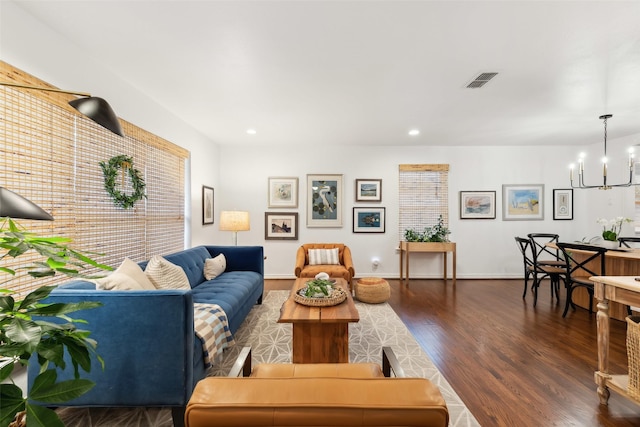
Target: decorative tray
<point>337,296</point>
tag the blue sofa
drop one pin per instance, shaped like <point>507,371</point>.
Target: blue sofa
<point>146,338</point>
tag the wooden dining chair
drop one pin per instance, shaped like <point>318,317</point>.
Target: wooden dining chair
<point>545,255</point>
<point>579,269</point>
<point>524,245</point>
<point>538,271</point>
<point>547,263</point>
<point>624,241</point>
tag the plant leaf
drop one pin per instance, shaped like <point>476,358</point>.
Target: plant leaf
<point>39,416</point>
<point>63,391</point>
<point>11,402</point>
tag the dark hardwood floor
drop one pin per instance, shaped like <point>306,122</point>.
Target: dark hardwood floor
<point>512,364</point>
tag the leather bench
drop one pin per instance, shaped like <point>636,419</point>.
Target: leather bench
<point>357,394</point>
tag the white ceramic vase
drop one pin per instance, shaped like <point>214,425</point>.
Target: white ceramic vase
<point>610,244</point>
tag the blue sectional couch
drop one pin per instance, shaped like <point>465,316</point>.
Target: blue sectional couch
<point>146,337</point>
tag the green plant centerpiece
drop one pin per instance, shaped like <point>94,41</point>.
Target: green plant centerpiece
<point>437,233</point>
<point>318,288</point>
<point>23,333</point>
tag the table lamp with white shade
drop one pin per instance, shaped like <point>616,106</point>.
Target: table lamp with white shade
<point>234,221</point>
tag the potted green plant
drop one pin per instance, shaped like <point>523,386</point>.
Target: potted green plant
<point>437,233</point>
<point>611,228</point>
<point>23,333</point>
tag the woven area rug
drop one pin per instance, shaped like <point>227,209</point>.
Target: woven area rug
<point>271,342</point>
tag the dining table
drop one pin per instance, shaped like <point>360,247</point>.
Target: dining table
<point>618,262</point>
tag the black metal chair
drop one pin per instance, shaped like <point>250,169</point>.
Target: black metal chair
<point>578,270</point>
<point>538,271</point>
<point>624,241</point>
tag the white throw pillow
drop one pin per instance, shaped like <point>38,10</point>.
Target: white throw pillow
<point>213,267</point>
<point>323,256</point>
<point>128,276</point>
<point>165,275</point>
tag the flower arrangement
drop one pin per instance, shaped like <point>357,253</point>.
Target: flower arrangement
<point>611,227</point>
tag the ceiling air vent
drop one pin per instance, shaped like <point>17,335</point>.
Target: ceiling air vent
<point>481,80</point>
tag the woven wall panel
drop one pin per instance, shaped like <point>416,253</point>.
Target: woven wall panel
<point>50,154</point>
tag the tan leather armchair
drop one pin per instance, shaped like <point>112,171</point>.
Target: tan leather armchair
<point>340,394</point>
<point>344,269</point>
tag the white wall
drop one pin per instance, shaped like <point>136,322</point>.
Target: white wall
<point>486,248</point>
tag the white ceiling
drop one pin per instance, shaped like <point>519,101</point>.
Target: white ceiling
<point>366,72</point>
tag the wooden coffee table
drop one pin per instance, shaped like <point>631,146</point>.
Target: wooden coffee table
<point>320,334</point>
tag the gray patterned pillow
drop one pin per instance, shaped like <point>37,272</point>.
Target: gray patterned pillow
<point>165,275</point>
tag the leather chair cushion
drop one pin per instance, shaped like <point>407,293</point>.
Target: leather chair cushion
<point>315,370</point>
<point>304,401</point>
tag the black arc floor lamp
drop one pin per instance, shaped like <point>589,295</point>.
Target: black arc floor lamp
<point>97,109</point>
<point>13,205</point>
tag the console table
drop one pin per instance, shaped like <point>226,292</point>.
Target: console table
<point>625,290</point>
<point>437,247</point>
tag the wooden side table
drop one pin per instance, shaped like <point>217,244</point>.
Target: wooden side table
<point>625,290</point>
<point>438,247</point>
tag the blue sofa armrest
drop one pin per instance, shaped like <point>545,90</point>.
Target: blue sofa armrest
<point>146,339</point>
<point>241,258</point>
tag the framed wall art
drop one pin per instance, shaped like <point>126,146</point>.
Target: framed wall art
<point>368,190</point>
<point>477,205</point>
<point>207,205</point>
<point>522,202</point>
<point>562,203</point>
<point>324,200</point>
<point>368,220</point>
<point>283,192</point>
<point>281,226</point>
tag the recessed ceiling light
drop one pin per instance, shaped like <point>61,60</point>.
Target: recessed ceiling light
<point>251,131</point>
<point>414,132</point>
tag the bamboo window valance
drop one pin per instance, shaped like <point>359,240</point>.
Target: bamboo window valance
<point>423,196</point>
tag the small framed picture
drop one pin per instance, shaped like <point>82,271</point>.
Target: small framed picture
<point>281,226</point>
<point>283,192</point>
<point>368,190</point>
<point>207,205</point>
<point>368,220</point>
<point>522,202</point>
<point>477,205</point>
<point>562,203</point>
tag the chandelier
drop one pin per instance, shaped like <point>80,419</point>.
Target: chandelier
<point>605,185</point>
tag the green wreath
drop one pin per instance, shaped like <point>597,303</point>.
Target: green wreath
<point>110,172</point>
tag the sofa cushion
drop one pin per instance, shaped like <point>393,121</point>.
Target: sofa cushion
<point>128,276</point>
<point>213,267</point>
<point>235,292</point>
<point>323,256</point>
<point>165,275</point>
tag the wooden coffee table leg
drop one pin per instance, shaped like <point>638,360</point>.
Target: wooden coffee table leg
<point>320,343</point>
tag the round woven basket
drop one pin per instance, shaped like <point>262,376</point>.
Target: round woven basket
<point>372,290</point>
<point>337,296</point>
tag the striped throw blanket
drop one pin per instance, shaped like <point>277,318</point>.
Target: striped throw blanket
<point>212,328</point>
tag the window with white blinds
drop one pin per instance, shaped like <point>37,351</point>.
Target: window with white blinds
<point>51,155</point>
<point>423,196</point>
